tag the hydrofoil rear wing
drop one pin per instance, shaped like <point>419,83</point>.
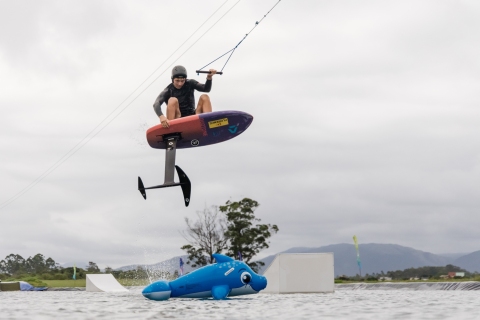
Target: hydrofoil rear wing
<point>170,150</point>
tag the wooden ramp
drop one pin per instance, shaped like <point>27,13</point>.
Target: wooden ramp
<point>103,283</point>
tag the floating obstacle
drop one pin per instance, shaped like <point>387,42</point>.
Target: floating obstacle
<point>300,273</point>
<point>226,277</point>
<point>10,286</point>
<point>19,286</point>
<point>103,283</point>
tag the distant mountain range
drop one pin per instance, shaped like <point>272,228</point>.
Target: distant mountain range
<point>375,258</point>
<point>470,262</point>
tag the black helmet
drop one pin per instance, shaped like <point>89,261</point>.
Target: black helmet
<point>179,72</point>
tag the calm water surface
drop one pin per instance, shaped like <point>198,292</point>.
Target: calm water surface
<point>343,304</point>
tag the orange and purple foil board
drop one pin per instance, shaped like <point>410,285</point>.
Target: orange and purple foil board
<point>201,130</point>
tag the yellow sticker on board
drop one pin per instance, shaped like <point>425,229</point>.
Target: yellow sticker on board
<point>218,123</point>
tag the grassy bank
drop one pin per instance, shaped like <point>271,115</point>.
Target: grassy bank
<point>134,282</point>
<point>65,283</point>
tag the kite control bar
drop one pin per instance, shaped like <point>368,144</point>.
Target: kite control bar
<point>204,71</point>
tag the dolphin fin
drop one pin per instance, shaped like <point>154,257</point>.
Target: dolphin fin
<point>220,258</point>
<point>220,292</point>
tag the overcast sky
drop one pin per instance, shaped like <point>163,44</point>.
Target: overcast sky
<point>366,122</point>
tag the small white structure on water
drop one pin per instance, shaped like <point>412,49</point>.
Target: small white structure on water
<point>103,283</point>
<point>300,273</point>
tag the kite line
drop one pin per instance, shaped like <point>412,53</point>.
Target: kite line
<point>246,35</point>
<point>104,123</point>
<point>91,134</point>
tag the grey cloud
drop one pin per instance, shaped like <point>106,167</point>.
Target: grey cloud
<point>365,123</point>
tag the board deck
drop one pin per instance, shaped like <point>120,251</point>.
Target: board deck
<point>201,130</point>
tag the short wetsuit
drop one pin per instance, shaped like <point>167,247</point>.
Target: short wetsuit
<point>186,99</point>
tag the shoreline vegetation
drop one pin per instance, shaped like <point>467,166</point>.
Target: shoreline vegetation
<point>448,273</point>
<point>41,272</point>
<point>452,280</point>
<point>82,283</point>
<point>143,282</point>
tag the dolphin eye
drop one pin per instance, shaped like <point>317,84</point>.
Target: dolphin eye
<point>245,278</point>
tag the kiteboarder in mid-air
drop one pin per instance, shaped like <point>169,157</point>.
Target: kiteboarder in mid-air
<point>184,126</point>
<point>179,98</point>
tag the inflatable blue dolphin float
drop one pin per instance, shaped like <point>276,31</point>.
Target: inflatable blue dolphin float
<point>227,277</point>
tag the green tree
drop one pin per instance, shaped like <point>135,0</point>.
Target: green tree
<point>140,273</point>
<point>36,264</point>
<point>196,256</point>
<point>13,264</point>
<point>51,264</point>
<point>206,237</point>
<point>92,267</point>
<point>67,273</point>
<point>243,234</point>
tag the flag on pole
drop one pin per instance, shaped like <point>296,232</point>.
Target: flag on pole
<point>181,267</point>
<point>74,272</point>
<point>355,241</point>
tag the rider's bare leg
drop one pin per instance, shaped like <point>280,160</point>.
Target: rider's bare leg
<point>173,109</point>
<point>204,104</point>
